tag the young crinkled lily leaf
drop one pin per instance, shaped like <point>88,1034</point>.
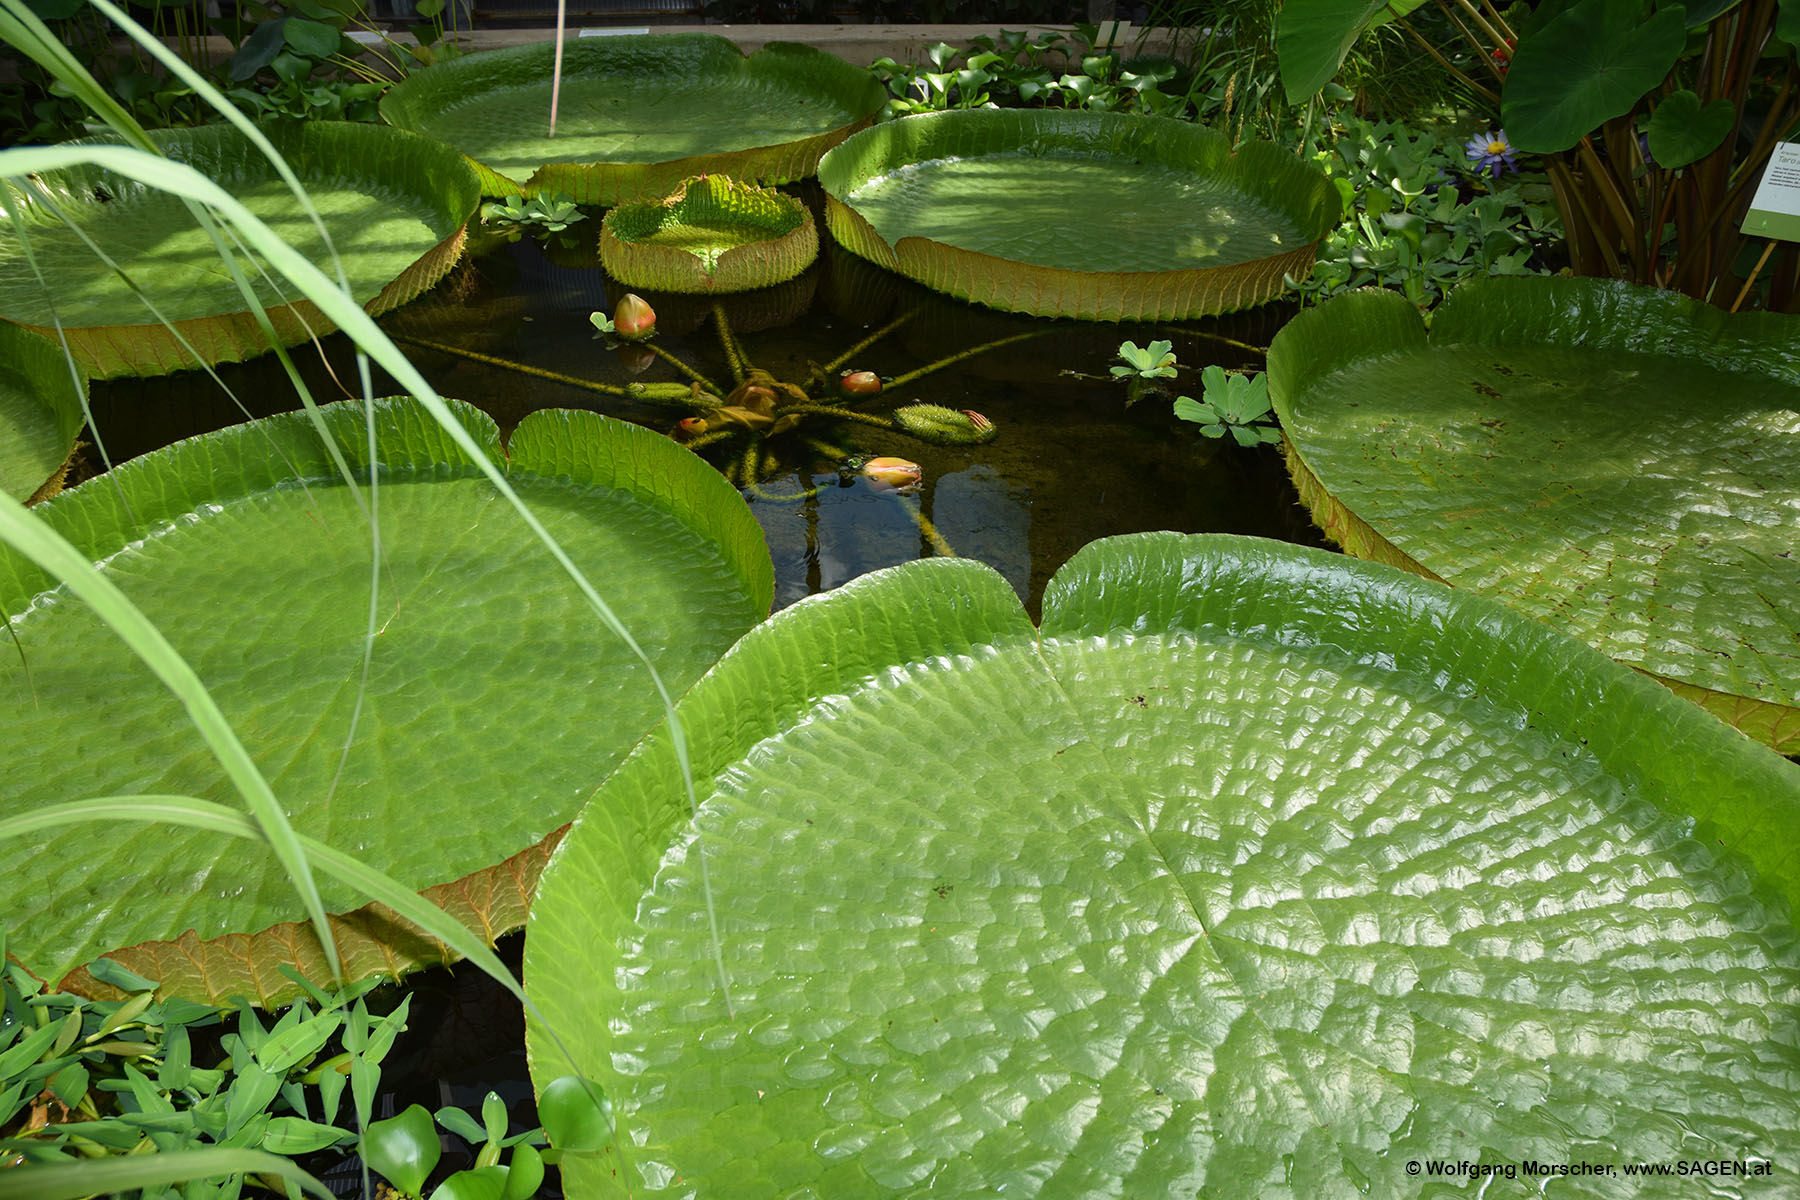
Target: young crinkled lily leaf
<point>711,234</point>
<point>1255,872</point>
<point>494,701</point>
<point>1622,462</point>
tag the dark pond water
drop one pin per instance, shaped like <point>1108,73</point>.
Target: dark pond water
<point>1071,464</point>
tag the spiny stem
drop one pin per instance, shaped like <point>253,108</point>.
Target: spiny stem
<point>492,361</point>
<point>941,363</point>
<point>857,349</point>
<point>740,366</point>
<point>842,414</point>
<point>762,493</point>
<point>929,530</point>
<point>692,374</point>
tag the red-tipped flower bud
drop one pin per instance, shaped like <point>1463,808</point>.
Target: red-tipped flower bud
<point>859,385</point>
<point>892,473</point>
<point>981,423</point>
<point>634,319</point>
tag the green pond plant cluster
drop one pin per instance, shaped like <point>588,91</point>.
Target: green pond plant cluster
<point>1243,869</point>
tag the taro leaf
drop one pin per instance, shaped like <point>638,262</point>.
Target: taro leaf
<point>1258,873</point>
<point>1621,462</point>
<point>1589,65</point>
<point>638,114</point>
<point>1101,216</point>
<point>40,413</point>
<point>314,39</point>
<point>1681,131</point>
<point>494,704</point>
<point>395,206</point>
<point>1312,37</point>
<point>712,234</point>
<point>258,50</point>
<point>1787,21</point>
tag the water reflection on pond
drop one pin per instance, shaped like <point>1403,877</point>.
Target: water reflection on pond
<point>1071,463</point>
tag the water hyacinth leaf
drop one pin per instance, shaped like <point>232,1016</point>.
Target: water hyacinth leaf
<point>711,234</point>
<point>403,1149</point>
<point>395,204</point>
<point>637,114</point>
<point>1590,64</point>
<point>1621,462</point>
<point>40,413</point>
<point>1253,859</point>
<point>986,205</point>
<point>1682,130</point>
<point>290,566</point>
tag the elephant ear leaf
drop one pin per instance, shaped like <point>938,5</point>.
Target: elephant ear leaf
<point>1591,63</point>
<point>1253,860</point>
<point>1683,131</point>
<point>1313,36</point>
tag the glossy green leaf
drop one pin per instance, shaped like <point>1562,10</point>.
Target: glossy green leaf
<point>40,412</point>
<point>1256,872</point>
<point>280,644</point>
<point>1313,36</point>
<point>395,206</point>
<point>637,114</point>
<point>403,1149</point>
<point>524,1173</point>
<point>78,1181</point>
<point>1621,462</point>
<point>575,1113</point>
<point>711,234</point>
<point>1592,63</point>
<point>294,1137</point>
<point>1683,131</point>
<point>1094,215</point>
<point>314,39</point>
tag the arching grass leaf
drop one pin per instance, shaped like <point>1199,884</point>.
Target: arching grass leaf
<point>495,704</point>
<point>1257,872</point>
<point>1621,462</point>
<point>1077,214</point>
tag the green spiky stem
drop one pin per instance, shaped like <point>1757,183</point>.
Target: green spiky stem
<point>692,374</point>
<point>941,363</point>
<point>928,530</point>
<point>746,466</point>
<point>493,361</point>
<point>708,439</point>
<point>838,412</point>
<point>838,362</point>
<point>740,366</point>
<point>762,493</point>
<point>1216,337</point>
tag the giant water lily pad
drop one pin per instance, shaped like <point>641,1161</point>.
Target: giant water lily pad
<point>1621,462</point>
<point>638,114</point>
<point>495,700</point>
<point>1078,214</point>
<point>40,413</point>
<point>394,204</point>
<point>1256,872</point>
<point>711,234</point>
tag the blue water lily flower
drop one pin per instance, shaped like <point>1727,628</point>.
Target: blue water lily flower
<point>1492,153</point>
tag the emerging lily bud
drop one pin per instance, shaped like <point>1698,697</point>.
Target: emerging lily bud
<point>946,426</point>
<point>859,385</point>
<point>892,474</point>
<point>634,319</point>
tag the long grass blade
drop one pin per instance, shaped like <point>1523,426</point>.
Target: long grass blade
<point>76,1181</point>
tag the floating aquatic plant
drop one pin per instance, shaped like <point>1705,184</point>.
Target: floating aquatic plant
<point>711,234</point>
